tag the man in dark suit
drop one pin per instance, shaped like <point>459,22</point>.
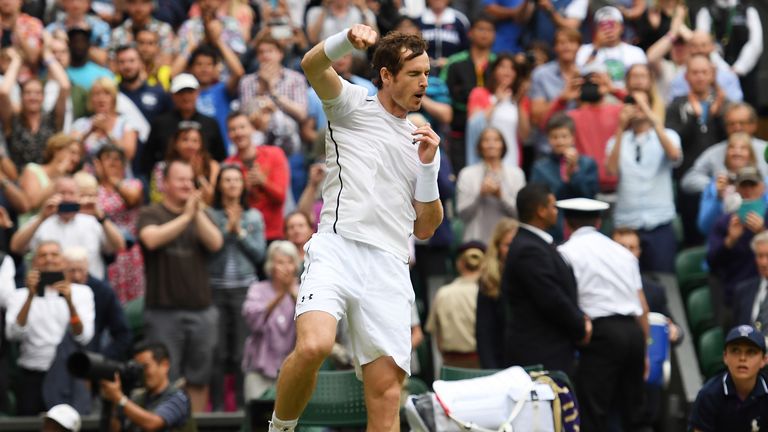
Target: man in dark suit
<point>750,300</point>
<point>544,322</point>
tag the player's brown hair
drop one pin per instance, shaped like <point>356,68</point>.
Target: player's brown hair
<point>392,51</point>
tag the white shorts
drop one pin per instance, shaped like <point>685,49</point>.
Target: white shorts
<point>369,286</point>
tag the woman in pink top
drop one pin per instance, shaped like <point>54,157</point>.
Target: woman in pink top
<point>268,311</point>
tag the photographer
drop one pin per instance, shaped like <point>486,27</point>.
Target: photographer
<point>38,317</point>
<point>60,219</point>
<point>159,405</point>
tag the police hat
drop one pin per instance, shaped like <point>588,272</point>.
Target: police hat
<point>582,207</point>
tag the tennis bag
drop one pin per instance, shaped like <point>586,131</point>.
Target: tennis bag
<point>510,400</point>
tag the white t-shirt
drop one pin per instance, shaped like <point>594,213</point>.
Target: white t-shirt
<point>607,274</point>
<point>615,59</point>
<point>372,164</point>
<point>84,231</point>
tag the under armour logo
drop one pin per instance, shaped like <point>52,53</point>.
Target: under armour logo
<point>308,298</point>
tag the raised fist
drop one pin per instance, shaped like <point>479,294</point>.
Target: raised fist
<point>361,36</point>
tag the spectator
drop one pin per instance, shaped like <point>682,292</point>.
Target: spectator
<point>489,325</point>
<point>700,43</point>
<point>21,31</point>
<point>215,96</point>
<point>497,105</point>
<point>120,198</point>
<point>280,90</point>
<point>28,127</point>
<point>453,312</point>
<point>232,270</point>
<point>556,82</point>
<point>76,15</point>
<point>539,290</point>
<point>39,316</point>
<point>298,230</point>
<point>109,320</point>
<point>334,16</point>
<point>150,99</point>
<point>61,418</point>
<point>736,26</point>
<point>749,301</point>
<point>729,255</point>
<point>268,311</point>
<point>567,173</point>
<point>266,174</point>
<point>607,49</point>
<point>311,201</point>
<point>658,20</point>
<point>640,79</point>
<point>486,191</point>
<point>643,154</point>
<point>188,146</point>
<point>59,219</point>
<point>509,16</point>
<point>140,17</point>
<point>61,158</point>
<point>720,193</point>
<point>548,17</point>
<point>148,45</point>
<point>667,55</point>
<point>739,117</point>
<point>735,399</point>
<point>105,126</point>
<point>463,72</point>
<point>81,70</point>
<point>176,236</point>
<point>240,10</point>
<point>697,118</point>
<point>210,27</point>
<point>159,404</point>
<point>445,30</point>
<point>184,93</point>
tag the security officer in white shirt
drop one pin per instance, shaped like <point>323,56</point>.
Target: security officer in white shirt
<point>610,373</point>
<point>39,316</point>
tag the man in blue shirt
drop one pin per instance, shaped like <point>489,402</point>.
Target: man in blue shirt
<point>508,14</point>
<point>736,400</point>
<point>82,71</point>
<point>151,100</point>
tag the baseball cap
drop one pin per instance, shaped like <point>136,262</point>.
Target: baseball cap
<point>66,416</point>
<point>748,174</point>
<point>184,81</point>
<point>608,13</point>
<point>746,333</point>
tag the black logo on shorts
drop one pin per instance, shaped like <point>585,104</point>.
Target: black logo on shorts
<point>307,298</point>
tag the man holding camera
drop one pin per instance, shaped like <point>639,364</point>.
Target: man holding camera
<point>61,220</point>
<point>159,405</point>
<point>38,317</point>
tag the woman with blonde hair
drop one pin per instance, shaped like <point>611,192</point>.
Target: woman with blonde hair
<point>106,125</point>
<point>489,325</point>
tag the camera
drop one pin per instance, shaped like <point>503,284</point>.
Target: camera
<point>630,100</point>
<point>93,366</point>
<point>590,91</point>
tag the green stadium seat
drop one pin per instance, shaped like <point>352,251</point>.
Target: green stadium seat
<point>701,315</point>
<point>134,314</point>
<point>690,269</point>
<point>337,401</point>
<point>450,373</point>
<point>711,345</point>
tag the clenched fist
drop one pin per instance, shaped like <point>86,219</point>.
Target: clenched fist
<point>361,36</point>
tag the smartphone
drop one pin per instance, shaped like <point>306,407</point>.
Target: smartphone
<point>69,207</point>
<point>629,100</point>
<point>48,279</point>
<point>748,206</point>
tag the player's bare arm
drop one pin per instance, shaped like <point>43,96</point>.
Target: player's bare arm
<point>317,62</point>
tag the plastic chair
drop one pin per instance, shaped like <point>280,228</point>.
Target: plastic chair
<point>701,316</point>
<point>134,314</point>
<point>338,400</point>
<point>711,345</point>
<point>690,268</point>
<point>415,386</point>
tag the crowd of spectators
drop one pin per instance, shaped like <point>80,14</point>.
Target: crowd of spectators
<point>170,152</point>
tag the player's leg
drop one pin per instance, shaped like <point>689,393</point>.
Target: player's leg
<point>315,336</point>
<point>383,381</point>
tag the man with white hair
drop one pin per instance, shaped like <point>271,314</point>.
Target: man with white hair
<point>109,315</point>
<point>39,316</point>
<point>60,220</point>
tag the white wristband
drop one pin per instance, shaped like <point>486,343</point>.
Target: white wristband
<point>338,45</point>
<point>426,181</point>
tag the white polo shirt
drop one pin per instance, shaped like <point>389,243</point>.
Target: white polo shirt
<point>84,231</point>
<point>47,322</point>
<point>607,274</point>
<point>372,164</point>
